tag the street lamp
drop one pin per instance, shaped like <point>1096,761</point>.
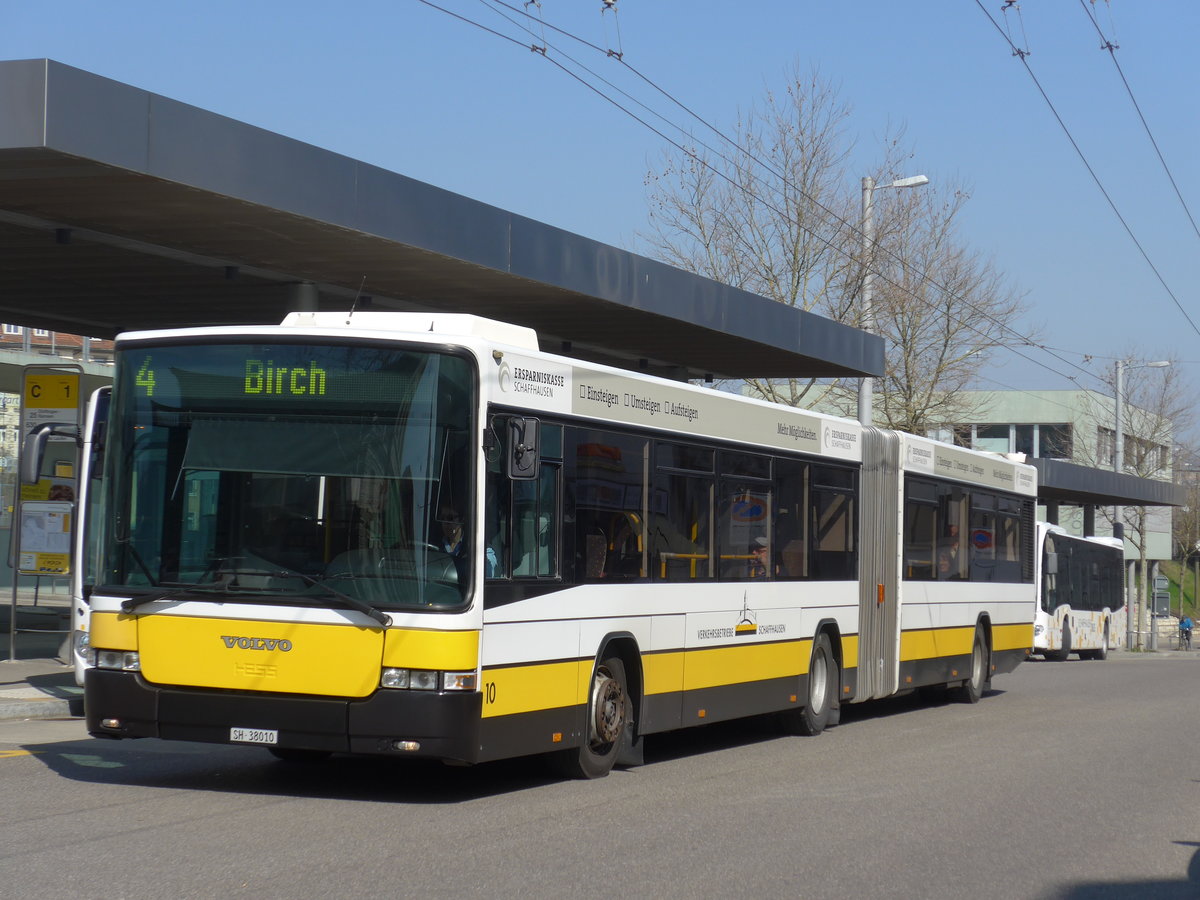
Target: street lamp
<point>1119,467</point>
<point>866,386</point>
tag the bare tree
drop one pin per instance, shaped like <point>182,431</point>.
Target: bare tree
<point>779,215</point>
<point>942,308</point>
<point>767,216</point>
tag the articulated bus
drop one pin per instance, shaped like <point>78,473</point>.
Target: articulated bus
<point>1081,595</point>
<point>418,535</point>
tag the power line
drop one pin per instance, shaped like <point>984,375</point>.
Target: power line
<point>1021,338</point>
<point>923,276</point>
<point>1112,48</point>
<point>1023,56</point>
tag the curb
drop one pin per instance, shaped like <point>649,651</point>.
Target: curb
<point>46,708</point>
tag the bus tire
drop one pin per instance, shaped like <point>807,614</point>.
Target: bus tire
<point>823,682</point>
<point>972,689</point>
<point>609,713</point>
<point>1064,649</point>
<point>1101,652</point>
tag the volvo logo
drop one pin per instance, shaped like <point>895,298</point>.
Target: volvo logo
<point>252,643</point>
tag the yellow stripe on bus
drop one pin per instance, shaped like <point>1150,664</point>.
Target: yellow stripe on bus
<point>936,642</point>
<point>522,689</point>
<point>849,651</point>
<point>452,651</point>
<point>529,688</point>
<point>749,662</point>
<point>1012,637</point>
<point>113,631</point>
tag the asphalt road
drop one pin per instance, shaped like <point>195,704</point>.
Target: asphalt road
<point>1074,780</point>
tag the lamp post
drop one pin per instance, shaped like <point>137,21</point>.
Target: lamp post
<point>1119,467</point>
<point>866,386</point>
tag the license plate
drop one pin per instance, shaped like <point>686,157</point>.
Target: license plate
<point>254,735</point>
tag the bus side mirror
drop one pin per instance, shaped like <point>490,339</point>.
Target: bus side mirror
<point>1051,563</point>
<point>33,451</point>
<point>523,449</point>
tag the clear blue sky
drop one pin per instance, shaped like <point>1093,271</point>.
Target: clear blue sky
<point>406,87</point>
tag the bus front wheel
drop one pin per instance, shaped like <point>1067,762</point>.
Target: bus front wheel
<point>609,714</point>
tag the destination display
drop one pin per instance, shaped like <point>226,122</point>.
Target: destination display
<point>294,376</point>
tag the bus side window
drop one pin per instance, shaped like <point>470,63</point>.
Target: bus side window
<point>535,525</point>
<point>834,524</point>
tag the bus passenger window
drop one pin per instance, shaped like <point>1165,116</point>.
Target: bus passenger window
<point>605,475</point>
<point>791,519</point>
<point>680,532</point>
<point>833,528</point>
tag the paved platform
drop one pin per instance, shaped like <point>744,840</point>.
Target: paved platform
<point>35,681</point>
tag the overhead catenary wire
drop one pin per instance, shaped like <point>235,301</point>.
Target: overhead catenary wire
<point>1023,57</point>
<point>829,213</point>
<point>1112,48</point>
<point>1019,337</point>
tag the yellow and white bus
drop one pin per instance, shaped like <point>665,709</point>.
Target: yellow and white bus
<point>418,535</point>
<point>1081,595</point>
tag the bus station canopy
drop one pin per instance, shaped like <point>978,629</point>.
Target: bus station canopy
<point>122,209</point>
<point>1075,485</point>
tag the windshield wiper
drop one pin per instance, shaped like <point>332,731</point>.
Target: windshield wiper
<point>353,602</point>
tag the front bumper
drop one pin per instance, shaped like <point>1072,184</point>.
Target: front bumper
<point>444,725</point>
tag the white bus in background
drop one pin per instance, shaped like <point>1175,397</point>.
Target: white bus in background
<point>1081,595</point>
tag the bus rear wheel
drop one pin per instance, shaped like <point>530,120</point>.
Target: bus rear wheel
<point>609,715</point>
<point>972,689</point>
<point>823,680</point>
<point>1101,652</point>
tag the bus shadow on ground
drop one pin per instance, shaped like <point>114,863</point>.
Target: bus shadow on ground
<point>252,770</point>
<point>151,763</point>
<point>1188,889</point>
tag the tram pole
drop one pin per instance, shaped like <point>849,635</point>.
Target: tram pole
<point>866,384</point>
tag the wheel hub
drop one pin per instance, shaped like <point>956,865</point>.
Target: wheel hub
<point>608,708</point>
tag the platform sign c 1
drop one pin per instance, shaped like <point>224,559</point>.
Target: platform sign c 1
<point>49,397</point>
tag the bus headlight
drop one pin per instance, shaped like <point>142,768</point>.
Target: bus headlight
<point>426,680</point>
<point>125,660</point>
<point>394,678</point>
<point>422,680</point>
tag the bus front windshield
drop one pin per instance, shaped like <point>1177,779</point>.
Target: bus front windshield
<point>296,471</point>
